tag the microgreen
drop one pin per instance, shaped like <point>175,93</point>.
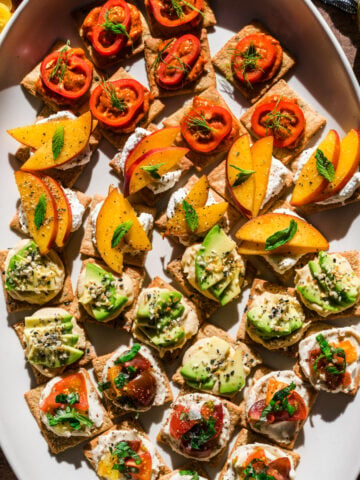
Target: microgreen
<point>116,101</point>
<point>61,63</point>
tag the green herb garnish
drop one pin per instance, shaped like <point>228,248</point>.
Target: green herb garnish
<point>115,28</point>
<point>178,7</point>
<point>120,231</point>
<point>191,216</point>
<point>123,451</point>
<point>274,119</point>
<point>116,102</point>
<point>40,210</point>
<point>242,176</point>
<point>69,399</point>
<point>129,355</point>
<point>249,61</point>
<point>278,403</point>
<point>194,475</point>
<point>104,386</point>
<point>200,433</point>
<point>152,170</point>
<point>324,167</point>
<point>71,416</point>
<point>58,141</point>
<point>251,474</point>
<point>328,352</point>
<point>281,236</point>
<point>61,63</point>
<point>198,122</point>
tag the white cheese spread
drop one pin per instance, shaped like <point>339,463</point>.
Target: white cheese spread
<point>277,177</point>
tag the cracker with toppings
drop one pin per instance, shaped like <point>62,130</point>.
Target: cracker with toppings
<point>222,61</point>
<point>99,364</point>
<point>103,62</point>
<point>313,120</point>
<point>57,443</point>
<point>87,246</point>
<point>202,160</point>
<point>205,80</point>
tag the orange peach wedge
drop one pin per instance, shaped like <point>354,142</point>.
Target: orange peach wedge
<point>261,153</point>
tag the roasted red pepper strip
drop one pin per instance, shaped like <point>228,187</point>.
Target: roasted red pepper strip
<point>104,40</point>
<point>178,61</point>
<point>280,117</point>
<point>116,104</point>
<point>205,127</point>
<point>71,384</point>
<point>67,73</point>
<point>168,16</point>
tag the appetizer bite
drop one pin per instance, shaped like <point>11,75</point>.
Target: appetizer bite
<point>329,284</point>
<point>250,178</point>
<point>251,457</point>
<point>328,178</point>
<point>132,380</point>
<point>199,426</point>
<point>282,113</point>
<point>117,232</point>
<point>276,405</point>
<point>125,451</point>
<point>215,363</point>
<point>329,358</point>
<point>31,278</point>
<point>168,18</point>
<point>253,61</point>
<point>179,65</point>
<point>207,126</point>
<point>64,79</point>
<point>120,104</point>
<point>68,410</point>
<point>112,31</point>
<point>164,319</point>
<point>212,273</point>
<point>52,341</point>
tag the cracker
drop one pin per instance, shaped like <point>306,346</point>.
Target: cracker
<point>206,80</point>
<point>102,62</point>
<point>247,437</point>
<point>123,321</point>
<point>56,443</point>
<point>88,248</point>
<point>191,466</point>
<point>124,425</point>
<point>155,108</point>
<point>287,345</point>
<point>65,296</point>
<point>157,30</point>
<point>222,60</point>
<point>202,160</point>
<point>113,410</point>
<point>313,120</point>
<point>170,355</point>
<point>250,358</point>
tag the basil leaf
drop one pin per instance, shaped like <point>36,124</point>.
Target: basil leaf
<point>279,402</point>
<point>129,355</point>
<point>152,170</point>
<point>194,475</point>
<point>324,167</point>
<point>70,399</point>
<point>281,237</point>
<point>58,141</point>
<point>71,416</point>
<point>191,216</point>
<point>120,231</point>
<point>104,386</point>
<point>242,176</point>
<point>40,210</point>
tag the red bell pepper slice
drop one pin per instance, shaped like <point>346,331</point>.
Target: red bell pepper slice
<point>75,383</point>
<point>168,16</point>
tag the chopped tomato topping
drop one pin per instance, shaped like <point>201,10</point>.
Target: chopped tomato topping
<point>72,384</point>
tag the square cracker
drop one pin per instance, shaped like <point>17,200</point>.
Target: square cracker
<point>102,63</point>
<point>230,218</point>
<point>88,248</point>
<point>155,108</point>
<point>66,177</point>
<point>280,344</point>
<point>56,443</point>
<point>157,30</point>
<point>89,352</point>
<point>191,466</point>
<point>30,80</point>
<point>170,355</point>
<point>313,120</point>
<point>123,321</point>
<point>222,60</point>
<point>250,358</point>
<point>65,296</point>
<point>124,425</point>
<point>206,80</point>
<point>235,416</point>
<point>113,410</point>
<point>201,160</point>
<point>247,437</point>
<point>260,372</point>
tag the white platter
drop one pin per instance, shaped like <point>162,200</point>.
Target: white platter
<point>330,442</point>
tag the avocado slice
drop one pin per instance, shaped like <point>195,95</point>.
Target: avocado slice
<point>166,339</point>
<point>232,378</point>
<point>69,339</point>
<point>206,385</point>
<point>159,302</point>
<point>270,326</point>
<point>231,292</point>
<point>18,257</point>
<point>197,373</point>
<point>312,295</point>
<point>54,357</point>
<point>32,322</point>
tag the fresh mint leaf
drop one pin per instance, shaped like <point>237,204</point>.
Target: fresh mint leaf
<point>129,355</point>
<point>58,141</point>
<point>120,231</point>
<point>324,167</point>
<point>191,216</point>
<point>242,176</point>
<point>40,210</point>
<point>152,170</point>
<point>281,237</point>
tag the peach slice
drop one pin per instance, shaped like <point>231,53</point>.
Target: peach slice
<point>310,183</point>
<point>160,138</point>
<point>349,159</point>
<point>239,156</point>
<point>163,159</point>
<point>40,209</point>
<point>116,210</point>
<point>197,197</point>
<point>63,207</point>
<point>255,232</point>
<point>261,153</point>
<point>76,137</point>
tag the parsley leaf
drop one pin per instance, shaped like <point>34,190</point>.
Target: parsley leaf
<point>191,216</point>
<point>278,403</point>
<point>328,352</point>
<point>194,475</point>
<point>120,231</point>
<point>152,170</point>
<point>324,167</point>
<point>40,210</point>
<point>250,473</point>
<point>70,399</point>
<point>242,176</point>
<point>281,237</point>
<point>200,433</point>
<point>58,141</point>
<point>123,451</point>
<point>75,419</point>
<point>129,355</point>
